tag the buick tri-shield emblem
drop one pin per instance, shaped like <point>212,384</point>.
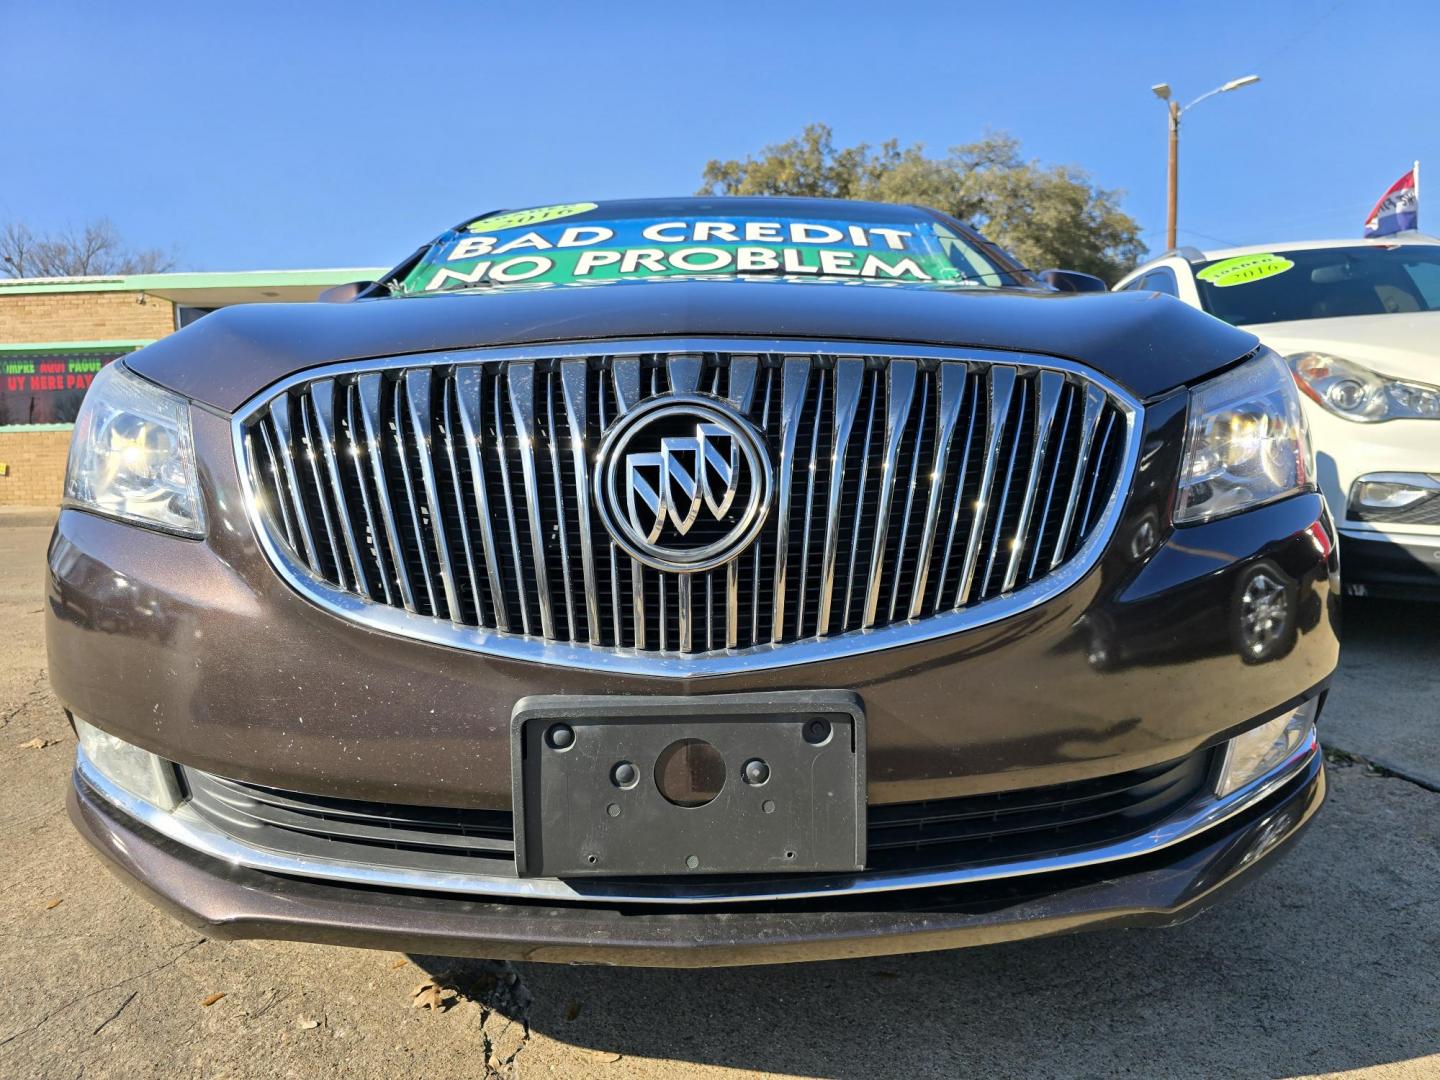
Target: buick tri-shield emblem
<point>687,473</point>
<point>683,483</point>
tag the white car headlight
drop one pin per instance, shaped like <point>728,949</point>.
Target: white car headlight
<point>1246,443</point>
<point>143,774</point>
<point>132,455</point>
<point>1263,749</point>
<point>1347,389</point>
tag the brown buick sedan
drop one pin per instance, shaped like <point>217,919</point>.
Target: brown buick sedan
<point>686,582</point>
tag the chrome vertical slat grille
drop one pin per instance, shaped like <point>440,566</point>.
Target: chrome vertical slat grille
<point>909,486</point>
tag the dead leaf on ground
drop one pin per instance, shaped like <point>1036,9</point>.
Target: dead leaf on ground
<point>307,1025</point>
<point>572,1010</point>
<point>37,743</point>
<point>212,998</point>
<point>51,905</point>
<point>430,995</point>
<point>605,1057</point>
<point>398,964</point>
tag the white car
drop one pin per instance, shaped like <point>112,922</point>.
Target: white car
<point>1359,323</point>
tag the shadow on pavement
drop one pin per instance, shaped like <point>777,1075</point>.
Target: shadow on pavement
<point>1414,625</point>
<point>1385,704</point>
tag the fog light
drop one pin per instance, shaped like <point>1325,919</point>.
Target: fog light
<point>1260,750</point>
<point>138,771</point>
<point>1392,491</point>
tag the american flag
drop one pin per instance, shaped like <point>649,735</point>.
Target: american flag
<point>1399,208</point>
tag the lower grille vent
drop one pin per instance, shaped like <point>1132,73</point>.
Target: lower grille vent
<point>972,830</point>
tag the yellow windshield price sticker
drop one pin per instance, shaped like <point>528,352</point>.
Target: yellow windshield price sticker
<point>1243,269</point>
<point>521,218</point>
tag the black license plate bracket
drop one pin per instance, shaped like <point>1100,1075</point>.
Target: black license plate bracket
<point>573,819</point>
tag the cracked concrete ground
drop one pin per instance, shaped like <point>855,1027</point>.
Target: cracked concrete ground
<point>1328,965</point>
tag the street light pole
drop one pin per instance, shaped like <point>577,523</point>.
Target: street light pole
<point>1173,176</point>
<point>1162,91</point>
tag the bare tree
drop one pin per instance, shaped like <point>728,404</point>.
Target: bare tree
<point>94,250</point>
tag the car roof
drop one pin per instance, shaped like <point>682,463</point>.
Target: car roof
<point>752,205</point>
<point>1316,245</point>
<point>1194,255</point>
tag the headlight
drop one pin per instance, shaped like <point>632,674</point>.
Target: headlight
<point>132,455</point>
<point>1357,393</point>
<point>1245,442</point>
<point>1263,749</point>
<point>138,771</point>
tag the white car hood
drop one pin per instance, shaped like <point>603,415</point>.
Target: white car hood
<point>1405,345</point>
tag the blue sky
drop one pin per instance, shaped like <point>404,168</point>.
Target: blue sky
<point>259,135</point>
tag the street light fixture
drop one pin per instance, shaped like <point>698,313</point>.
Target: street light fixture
<point>1162,91</point>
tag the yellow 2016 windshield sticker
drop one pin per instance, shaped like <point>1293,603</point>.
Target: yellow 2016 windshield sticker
<point>518,218</point>
<point>1243,269</point>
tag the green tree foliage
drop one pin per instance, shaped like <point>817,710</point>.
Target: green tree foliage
<point>1045,215</point>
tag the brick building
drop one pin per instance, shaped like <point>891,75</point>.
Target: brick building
<point>55,333</point>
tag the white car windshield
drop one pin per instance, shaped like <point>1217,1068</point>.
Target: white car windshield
<point>1321,283</point>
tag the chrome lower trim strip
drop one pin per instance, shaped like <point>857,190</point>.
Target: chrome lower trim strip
<point>636,661</point>
<point>185,826</point>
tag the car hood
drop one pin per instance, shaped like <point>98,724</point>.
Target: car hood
<point>1146,342</point>
<point>1405,345</point>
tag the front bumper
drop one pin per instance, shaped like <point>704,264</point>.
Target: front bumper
<point>1380,557</point>
<point>200,653</point>
<point>1159,889</point>
<point>1398,567</point>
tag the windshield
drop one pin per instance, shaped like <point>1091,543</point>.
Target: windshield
<point>585,242</point>
<point>1322,283</point>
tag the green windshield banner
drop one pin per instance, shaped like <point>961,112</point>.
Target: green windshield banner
<point>510,250</point>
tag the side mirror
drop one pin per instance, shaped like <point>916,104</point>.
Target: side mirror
<point>343,294</point>
<point>1072,281</point>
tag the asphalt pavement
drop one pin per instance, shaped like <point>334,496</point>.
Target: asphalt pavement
<point>1327,965</point>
